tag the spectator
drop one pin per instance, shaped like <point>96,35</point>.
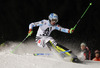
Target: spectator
<point>86,51</point>
<point>97,56</point>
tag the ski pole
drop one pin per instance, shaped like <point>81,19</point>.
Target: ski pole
<point>82,15</point>
<point>22,42</point>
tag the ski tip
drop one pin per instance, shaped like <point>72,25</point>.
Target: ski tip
<point>35,54</point>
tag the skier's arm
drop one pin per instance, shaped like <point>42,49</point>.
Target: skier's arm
<point>65,30</point>
<point>35,24</point>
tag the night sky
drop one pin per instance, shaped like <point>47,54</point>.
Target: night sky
<point>16,15</point>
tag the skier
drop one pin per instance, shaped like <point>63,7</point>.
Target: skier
<point>43,38</point>
<point>86,51</point>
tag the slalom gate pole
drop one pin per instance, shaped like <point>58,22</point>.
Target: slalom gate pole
<point>82,15</point>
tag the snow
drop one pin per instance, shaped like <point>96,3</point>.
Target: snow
<point>23,58</point>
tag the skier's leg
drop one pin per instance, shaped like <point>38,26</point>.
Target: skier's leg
<point>49,41</point>
<point>63,49</point>
<point>48,44</point>
<point>40,42</point>
<point>60,48</point>
<point>43,41</point>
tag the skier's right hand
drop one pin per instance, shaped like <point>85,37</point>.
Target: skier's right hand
<point>71,30</point>
<point>30,32</point>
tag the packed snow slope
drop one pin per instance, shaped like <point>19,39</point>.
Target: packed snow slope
<point>23,58</point>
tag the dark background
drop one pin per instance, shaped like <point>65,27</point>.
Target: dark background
<point>16,15</point>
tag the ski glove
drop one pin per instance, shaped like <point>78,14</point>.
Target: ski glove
<point>30,32</point>
<point>71,30</point>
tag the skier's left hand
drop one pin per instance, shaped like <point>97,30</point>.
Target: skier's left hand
<point>71,30</point>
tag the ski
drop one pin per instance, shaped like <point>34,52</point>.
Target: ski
<point>37,54</point>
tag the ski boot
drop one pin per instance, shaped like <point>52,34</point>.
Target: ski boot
<point>75,60</point>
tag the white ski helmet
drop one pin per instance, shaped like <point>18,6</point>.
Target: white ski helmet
<point>54,17</point>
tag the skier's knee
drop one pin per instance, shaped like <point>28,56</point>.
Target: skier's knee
<point>48,43</point>
<point>52,43</point>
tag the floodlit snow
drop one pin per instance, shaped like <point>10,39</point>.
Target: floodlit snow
<point>23,58</point>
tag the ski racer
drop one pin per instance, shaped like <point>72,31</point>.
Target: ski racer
<point>43,38</point>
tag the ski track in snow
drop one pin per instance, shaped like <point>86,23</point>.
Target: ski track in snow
<point>23,58</point>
